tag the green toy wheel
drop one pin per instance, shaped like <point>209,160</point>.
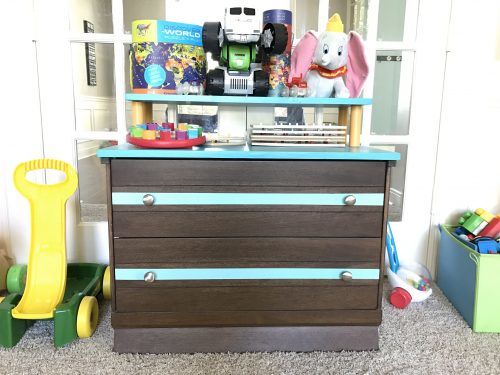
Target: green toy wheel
<point>16,278</point>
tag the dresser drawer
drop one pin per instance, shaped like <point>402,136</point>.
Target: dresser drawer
<point>247,224</point>
<point>240,250</point>
<point>246,298</point>
<point>246,173</point>
<point>257,288</point>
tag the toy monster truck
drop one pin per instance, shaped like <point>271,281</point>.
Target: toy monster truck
<point>238,48</point>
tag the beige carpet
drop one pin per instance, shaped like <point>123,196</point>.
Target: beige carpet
<point>426,338</point>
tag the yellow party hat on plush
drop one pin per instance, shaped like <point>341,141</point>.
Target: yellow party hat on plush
<point>335,24</point>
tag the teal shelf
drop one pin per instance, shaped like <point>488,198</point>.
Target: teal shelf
<point>250,152</point>
<point>255,101</point>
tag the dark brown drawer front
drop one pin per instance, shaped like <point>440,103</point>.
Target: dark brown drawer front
<point>245,318</point>
<point>247,173</point>
<point>247,224</point>
<point>242,250</point>
<point>153,189</point>
<point>153,299</point>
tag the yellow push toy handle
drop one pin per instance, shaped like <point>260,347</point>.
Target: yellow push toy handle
<point>46,278</point>
<point>29,189</point>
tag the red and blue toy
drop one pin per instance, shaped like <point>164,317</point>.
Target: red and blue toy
<point>411,281</point>
<point>486,245</point>
<point>482,228</point>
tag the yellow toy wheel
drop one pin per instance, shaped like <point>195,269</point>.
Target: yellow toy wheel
<point>86,319</point>
<point>106,284</point>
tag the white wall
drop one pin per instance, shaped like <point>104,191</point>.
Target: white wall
<point>192,11</point>
<point>140,10</point>
<point>95,105</point>
<point>20,121</point>
<point>99,12</point>
<point>305,18</point>
<point>468,162</point>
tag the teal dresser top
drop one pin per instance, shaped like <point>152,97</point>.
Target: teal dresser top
<point>250,152</point>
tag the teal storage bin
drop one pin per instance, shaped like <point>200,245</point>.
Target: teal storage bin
<point>470,280</point>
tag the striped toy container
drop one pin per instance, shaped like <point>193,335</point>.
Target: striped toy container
<point>278,65</point>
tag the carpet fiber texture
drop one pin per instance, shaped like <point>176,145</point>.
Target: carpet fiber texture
<point>425,338</point>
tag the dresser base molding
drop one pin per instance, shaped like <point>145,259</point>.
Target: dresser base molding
<point>245,339</point>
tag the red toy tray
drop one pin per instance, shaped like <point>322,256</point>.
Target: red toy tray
<point>149,143</point>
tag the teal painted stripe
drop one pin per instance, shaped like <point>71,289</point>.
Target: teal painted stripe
<point>248,100</point>
<point>252,152</point>
<point>245,273</point>
<point>362,199</point>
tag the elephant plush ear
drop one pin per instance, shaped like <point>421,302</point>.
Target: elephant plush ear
<point>302,56</point>
<point>357,65</point>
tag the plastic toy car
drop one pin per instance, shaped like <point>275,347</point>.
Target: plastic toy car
<point>187,88</point>
<point>296,87</point>
<point>238,48</point>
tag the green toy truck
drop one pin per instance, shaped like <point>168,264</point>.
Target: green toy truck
<point>238,48</point>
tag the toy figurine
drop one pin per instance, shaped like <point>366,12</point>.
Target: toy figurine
<point>326,59</point>
<point>238,47</point>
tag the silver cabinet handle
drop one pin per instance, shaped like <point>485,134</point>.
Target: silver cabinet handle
<point>148,200</point>
<point>350,200</point>
<point>346,276</point>
<point>149,277</point>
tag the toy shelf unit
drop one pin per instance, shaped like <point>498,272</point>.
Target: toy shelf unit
<point>246,248</point>
<point>350,109</point>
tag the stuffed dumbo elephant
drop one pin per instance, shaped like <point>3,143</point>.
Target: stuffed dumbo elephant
<point>326,59</point>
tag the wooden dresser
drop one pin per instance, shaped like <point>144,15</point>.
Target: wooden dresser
<point>240,249</point>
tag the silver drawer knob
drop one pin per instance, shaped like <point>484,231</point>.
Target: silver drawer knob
<point>149,277</point>
<point>350,200</point>
<point>148,200</point>
<point>346,276</point>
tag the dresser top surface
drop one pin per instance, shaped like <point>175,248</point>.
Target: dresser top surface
<point>250,152</point>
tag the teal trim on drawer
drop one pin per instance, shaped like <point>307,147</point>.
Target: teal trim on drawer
<point>246,273</point>
<point>362,199</point>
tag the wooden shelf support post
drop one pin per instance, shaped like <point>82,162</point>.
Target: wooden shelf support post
<point>142,112</point>
<point>355,132</point>
<point>343,118</point>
